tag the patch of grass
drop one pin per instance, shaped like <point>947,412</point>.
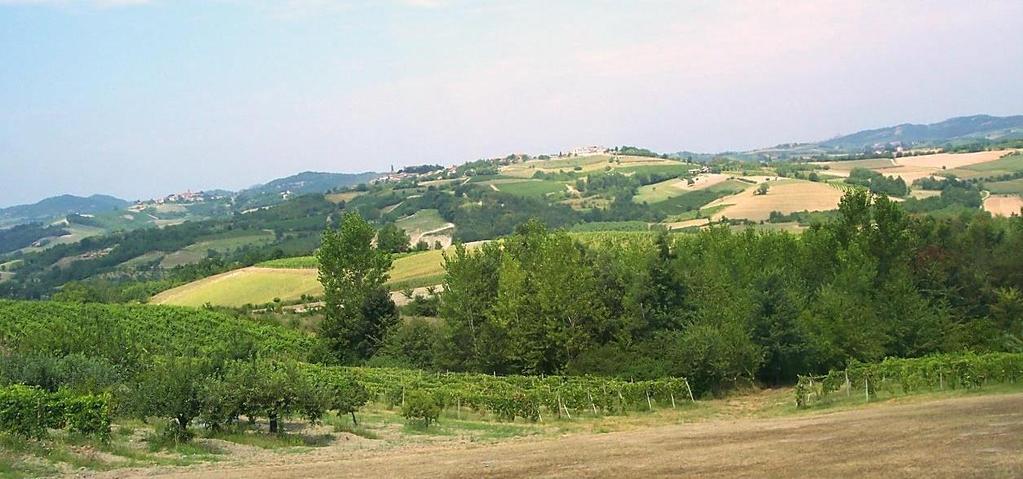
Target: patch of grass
<point>1010,187</point>
<point>345,424</point>
<point>20,467</point>
<point>421,221</point>
<point>297,262</point>
<point>1005,165</point>
<point>532,188</point>
<point>248,437</point>
<point>838,400</point>
<point>668,167</point>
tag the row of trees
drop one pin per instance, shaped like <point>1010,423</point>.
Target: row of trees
<point>718,307</point>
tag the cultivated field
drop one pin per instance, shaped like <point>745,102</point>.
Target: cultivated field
<point>260,284</point>
<point>675,187</point>
<point>912,168</point>
<point>1006,187</point>
<point>244,286</point>
<point>528,188</point>
<point>1003,165</point>
<point>1004,205</point>
<point>961,437</point>
<point>785,196</point>
<point>427,225</point>
<point>589,164</point>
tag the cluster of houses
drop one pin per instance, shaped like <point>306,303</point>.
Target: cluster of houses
<point>188,196</point>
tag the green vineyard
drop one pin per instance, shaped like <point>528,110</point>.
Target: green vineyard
<point>129,331</point>
<point>526,397</point>
<point>906,376</point>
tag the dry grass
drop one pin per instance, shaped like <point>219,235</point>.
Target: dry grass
<point>785,196</point>
<point>259,285</point>
<point>756,436</point>
<point>950,160</point>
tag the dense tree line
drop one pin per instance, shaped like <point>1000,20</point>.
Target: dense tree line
<point>720,306</point>
<point>878,183</point>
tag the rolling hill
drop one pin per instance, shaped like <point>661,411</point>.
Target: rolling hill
<point>307,182</point>
<point>58,207</point>
<point>951,130</point>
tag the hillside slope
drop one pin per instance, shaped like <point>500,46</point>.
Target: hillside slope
<point>960,128</point>
<point>60,206</point>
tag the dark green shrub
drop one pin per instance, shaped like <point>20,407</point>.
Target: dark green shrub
<point>420,407</point>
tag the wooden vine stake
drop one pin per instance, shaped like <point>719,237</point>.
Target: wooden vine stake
<point>594,406</point>
<point>458,401</point>
<point>866,389</point>
<point>649,404</point>
<point>690,391</point>
<point>672,399</point>
<point>848,385</point>
<point>563,406</point>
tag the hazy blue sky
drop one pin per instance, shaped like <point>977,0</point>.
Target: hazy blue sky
<point>137,98</point>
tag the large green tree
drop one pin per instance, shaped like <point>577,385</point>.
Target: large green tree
<point>353,271</point>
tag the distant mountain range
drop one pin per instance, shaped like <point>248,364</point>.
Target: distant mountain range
<point>952,130</point>
<point>60,206</point>
<point>309,182</point>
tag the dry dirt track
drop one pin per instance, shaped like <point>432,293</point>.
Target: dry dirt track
<point>963,437</point>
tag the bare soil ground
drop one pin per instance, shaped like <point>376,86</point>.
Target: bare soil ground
<point>974,436</point>
<point>1004,205</point>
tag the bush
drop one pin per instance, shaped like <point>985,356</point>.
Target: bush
<point>420,407</point>
<point>29,411</point>
<point>86,414</point>
<point>25,411</point>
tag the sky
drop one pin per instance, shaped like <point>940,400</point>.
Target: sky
<point>140,98</point>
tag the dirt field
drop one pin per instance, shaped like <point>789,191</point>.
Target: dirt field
<point>979,436</point>
<point>1004,205</point>
<point>912,168</point>
<point>786,196</point>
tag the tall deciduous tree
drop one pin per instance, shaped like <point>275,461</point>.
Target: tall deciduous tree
<point>352,270</point>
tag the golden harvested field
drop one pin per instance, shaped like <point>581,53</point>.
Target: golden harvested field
<point>244,286</point>
<point>1003,205</point>
<point>260,285</point>
<point>915,167</point>
<point>786,196</point>
<point>951,160</point>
